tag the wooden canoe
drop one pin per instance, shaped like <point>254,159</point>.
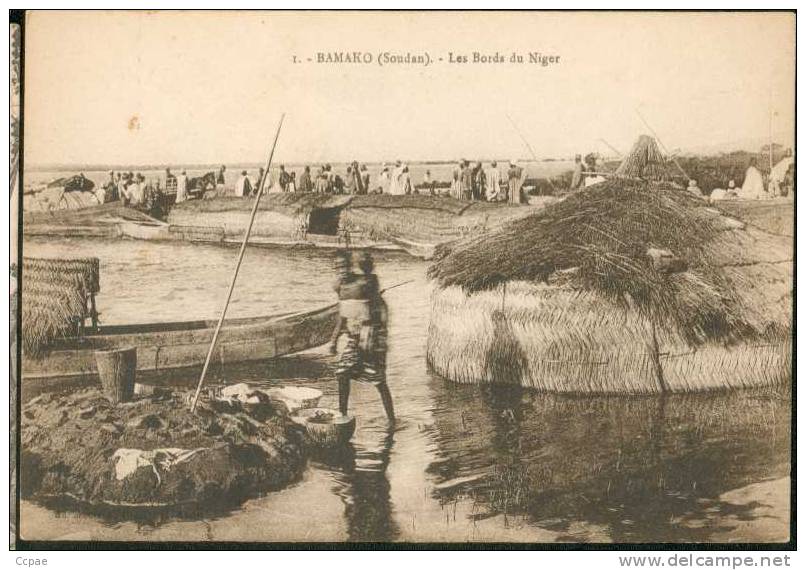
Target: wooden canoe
<point>166,346</point>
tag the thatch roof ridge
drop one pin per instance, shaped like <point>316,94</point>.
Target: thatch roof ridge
<point>605,231</point>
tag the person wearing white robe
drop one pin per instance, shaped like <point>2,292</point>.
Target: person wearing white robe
<point>182,187</point>
<point>243,186</point>
<point>778,174</point>
<point>395,181</point>
<point>273,184</point>
<point>493,183</point>
<point>384,180</point>
<point>753,186</point>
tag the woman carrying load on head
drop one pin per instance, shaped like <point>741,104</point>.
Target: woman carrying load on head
<point>359,338</point>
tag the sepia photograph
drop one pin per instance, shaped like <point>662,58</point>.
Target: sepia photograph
<point>492,278</point>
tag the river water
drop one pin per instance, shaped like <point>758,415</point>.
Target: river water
<point>464,463</point>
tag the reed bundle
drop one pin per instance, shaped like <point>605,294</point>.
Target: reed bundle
<point>645,161</point>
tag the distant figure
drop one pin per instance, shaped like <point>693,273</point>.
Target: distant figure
<point>515,181</point>
<point>456,181</point>
<point>220,180</point>
<point>260,174</point>
<point>753,186</point>
<point>365,179</point>
<point>305,184</point>
<point>479,182</point>
<point>243,187</point>
<point>322,186</point>
<point>405,186</point>
<point>394,181</point>
<point>776,186</point>
<point>358,182</point>
<point>170,181</point>
<point>359,337</point>
<point>283,178</point>
<point>292,183</point>
<point>135,192</point>
<point>578,177</point>
<point>693,188</point>
<point>349,186</point>
<point>182,187</point>
<point>384,180</point>
<point>428,183</point>
<point>466,181</point>
<point>493,183</point>
<point>109,191</point>
<point>331,179</point>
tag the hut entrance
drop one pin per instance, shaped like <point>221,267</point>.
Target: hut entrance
<point>324,221</point>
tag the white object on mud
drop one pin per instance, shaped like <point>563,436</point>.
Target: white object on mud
<point>295,397</point>
<point>127,461</point>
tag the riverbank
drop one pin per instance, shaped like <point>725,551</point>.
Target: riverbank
<point>416,224</point>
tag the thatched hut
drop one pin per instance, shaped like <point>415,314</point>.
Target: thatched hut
<point>628,286</point>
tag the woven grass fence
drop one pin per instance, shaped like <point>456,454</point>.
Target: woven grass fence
<point>55,294</point>
<point>563,339</point>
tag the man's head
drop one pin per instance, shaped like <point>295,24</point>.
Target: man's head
<point>578,158</point>
<point>343,263</point>
<point>367,264</point>
<point>243,172</point>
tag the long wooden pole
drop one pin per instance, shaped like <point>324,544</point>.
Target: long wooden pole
<point>531,150</point>
<point>237,268</point>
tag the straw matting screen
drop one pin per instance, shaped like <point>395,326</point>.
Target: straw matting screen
<point>54,299</point>
<point>563,339</point>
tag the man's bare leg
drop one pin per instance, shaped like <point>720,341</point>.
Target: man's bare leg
<point>386,398</point>
<point>344,393</point>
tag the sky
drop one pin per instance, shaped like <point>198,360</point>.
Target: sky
<point>209,87</point>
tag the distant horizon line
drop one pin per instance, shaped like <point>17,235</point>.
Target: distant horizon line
<point>200,165</point>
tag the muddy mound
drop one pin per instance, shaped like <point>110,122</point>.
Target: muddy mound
<point>153,452</point>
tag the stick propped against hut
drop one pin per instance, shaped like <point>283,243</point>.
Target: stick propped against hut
<point>628,286</point>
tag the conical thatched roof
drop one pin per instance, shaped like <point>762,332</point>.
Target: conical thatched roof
<point>602,235</point>
<point>645,161</point>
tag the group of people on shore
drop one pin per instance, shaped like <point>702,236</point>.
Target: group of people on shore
<point>129,187</point>
<point>489,184</point>
<point>469,182</point>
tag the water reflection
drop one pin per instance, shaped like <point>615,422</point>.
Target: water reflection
<point>643,469</point>
<point>359,475</point>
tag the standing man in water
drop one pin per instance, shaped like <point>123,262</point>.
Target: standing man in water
<point>360,335</point>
